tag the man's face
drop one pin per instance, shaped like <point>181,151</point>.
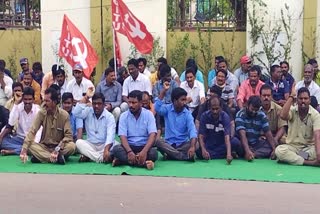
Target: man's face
<point>253,78</point>
<point>37,73</point>
<point>216,63</point>
<point>245,66</point>
<point>125,75</point>
<point>49,105</point>
<point>180,103</point>
<point>266,97</point>
<point>111,77</point>
<point>284,68</point>
<point>315,67</point>
<point>141,67</point>
<point>134,105</point>
<point>17,89</point>
<point>303,101</point>
<point>146,101</point>
<point>98,106</point>
<point>276,75</point>
<point>78,75</point>
<point>308,74</point>
<point>133,71</point>
<point>166,78</point>
<point>223,66</point>
<point>190,78</point>
<point>60,78</point>
<point>27,101</point>
<point>24,66</point>
<point>221,79</point>
<point>215,108</point>
<point>27,79</point>
<point>252,111</point>
<point>67,105</point>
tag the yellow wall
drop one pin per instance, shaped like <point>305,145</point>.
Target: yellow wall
<point>309,28</point>
<point>16,44</point>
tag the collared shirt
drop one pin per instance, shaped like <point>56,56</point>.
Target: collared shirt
<point>79,90</point>
<point>142,83</point>
<point>147,72</point>
<point>314,89</point>
<point>254,126</point>
<point>46,82</point>
<point>63,88</point>
<point>112,93</point>
<point>214,130</point>
<point>273,114</point>
<point>211,76</point>
<point>56,128</point>
<point>199,76</point>
<point>279,89</point>
<point>179,127</point>
<point>196,92</point>
<point>227,92</point>
<point>24,120</point>
<point>99,130</point>
<point>157,88</point>
<point>10,103</point>
<point>230,80</point>
<point>37,91</point>
<point>246,91</point>
<point>300,132</point>
<point>76,123</point>
<point>290,80</point>
<point>6,92</point>
<point>138,130</point>
<point>241,76</point>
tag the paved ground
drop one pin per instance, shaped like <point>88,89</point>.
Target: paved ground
<point>33,193</point>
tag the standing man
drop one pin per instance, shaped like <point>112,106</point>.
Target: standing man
<point>242,72</point>
<point>137,131</point>
<point>302,143</point>
<point>56,139</point>
<point>250,123</point>
<point>29,82</point>
<point>142,65</point>
<point>180,138</point>
<point>112,91</point>
<point>100,126</point>
<point>5,87</point>
<point>284,65</point>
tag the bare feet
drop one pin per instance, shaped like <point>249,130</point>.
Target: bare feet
<point>6,152</point>
<point>150,165</point>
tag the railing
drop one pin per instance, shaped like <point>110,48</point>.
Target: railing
<point>207,14</point>
<point>20,14</point>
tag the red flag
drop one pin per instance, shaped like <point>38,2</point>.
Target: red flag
<point>75,48</point>
<point>127,24</point>
<point>117,50</point>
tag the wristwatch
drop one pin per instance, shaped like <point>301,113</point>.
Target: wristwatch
<point>57,149</point>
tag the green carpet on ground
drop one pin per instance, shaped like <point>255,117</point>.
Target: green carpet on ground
<point>258,170</point>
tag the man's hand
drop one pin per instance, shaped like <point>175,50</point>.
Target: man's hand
<point>191,152</point>
<point>141,157</point>
<point>90,92</point>
<point>229,159</point>
<point>23,156</point>
<point>106,155</point>
<point>166,85</point>
<point>189,99</point>
<point>132,158</point>
<point>17,97</point>
<point>249,155</point>
<point>205,154</point>
<point>54,157</point>
<point>273,155</point>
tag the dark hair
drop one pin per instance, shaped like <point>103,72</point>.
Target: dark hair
<point>273,68</point>
<point>255,101</point>
<point>28,73</point>
<point>56,70</point>
<point>17,84</point>
<point>111,63</point>
<point>222,71</point>
<point>312,61</point>
<point>37,66</point>
<point>266,87</point>
<point>2,62</point>
<point>190,70</point>
<point>98,95</point>
<point>284,62</point>
<point>190,62</point>
<point>255,68</point>
<point>143,60</point>
<point>223,60</point>
<point>314,102</point>
<point>162,60</point>
<point>303,90</point>
<point>2,68</point>
<point>177,93</point>
<point>133,62</point>
<point>136,94</point>
<point>145,93</point>
<point>219,58</point>
<point>218,98</point>
<point>53,94</point>
<point>108,71</point>
<point>28,91</point>
<point>67,95</point>
<point>164,70</point>
<point>122,70</point>
<point>216,89</point>
<point>55,87</point>
<point>60,71</point>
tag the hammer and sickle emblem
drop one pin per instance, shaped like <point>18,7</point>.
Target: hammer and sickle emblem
<point>81,56</point>
<point>135,28</point>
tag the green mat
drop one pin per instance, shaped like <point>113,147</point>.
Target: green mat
<point>258,170</point>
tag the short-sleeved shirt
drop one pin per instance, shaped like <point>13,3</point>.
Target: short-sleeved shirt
<point>279,89</point>
<point>275,122</point>
<point>214,130</point>
<point>254,126</point>
<point>246,91</point>
<point>112,93</point>
<point>300,132</point>
<point>313,88</point>
<point>138,130</point>
<point>142,83</point>
<point>196,92</point>
<point>241,76</point>
<point>231,80</point>
<point>79,90</point>
<point>199,76</point>
<point>227,92</point>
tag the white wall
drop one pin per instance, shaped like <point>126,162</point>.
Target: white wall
<point>274,15</point>
<point>52,13</point>
<point>318,33</point>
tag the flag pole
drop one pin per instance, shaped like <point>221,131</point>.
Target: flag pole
<point>114,51</point>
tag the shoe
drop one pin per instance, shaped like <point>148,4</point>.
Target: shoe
<point>61,160</point>
<point>35,160</point>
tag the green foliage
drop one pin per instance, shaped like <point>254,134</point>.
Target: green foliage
<point>312,36</point>
<point>12,61</point>
<point>179,52</point>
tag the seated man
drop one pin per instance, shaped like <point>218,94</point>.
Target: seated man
<point>100,126</point>
<point>302,143</point>
<point>17,89</point>
<point>76,123</point>
<point>198,74</point>
<point>146,102</point>
<point>250,123</point>
<point>22,114</point>
<point>272,110</point>
<point>112,91</point>
<point>28,81</point>
<point>180,132</point>
<point>227,92</point>
<point>56,138</point>
<point>60,80</point>
<point>214,134</point>
<point>137,131</point>
<point>5,86</point>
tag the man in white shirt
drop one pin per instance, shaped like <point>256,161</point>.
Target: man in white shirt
<point>79,85</point>
<point>143,67</point>
<point>5,87</point>
<point>136,81</point>
<point>195,90</point>
<point>23,113</point>
<point>308,82</point>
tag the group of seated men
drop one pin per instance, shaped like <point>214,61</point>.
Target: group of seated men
<point>240,116</point>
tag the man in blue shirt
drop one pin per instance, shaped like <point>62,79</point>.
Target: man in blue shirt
<point>137,131</point>
<point>215,134</point>
<point>100,126</point>
<point>212,72</point>
<point>199,75</point>
<point>251,121</point>
<point>180,131</point>
<point>284,65</point>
